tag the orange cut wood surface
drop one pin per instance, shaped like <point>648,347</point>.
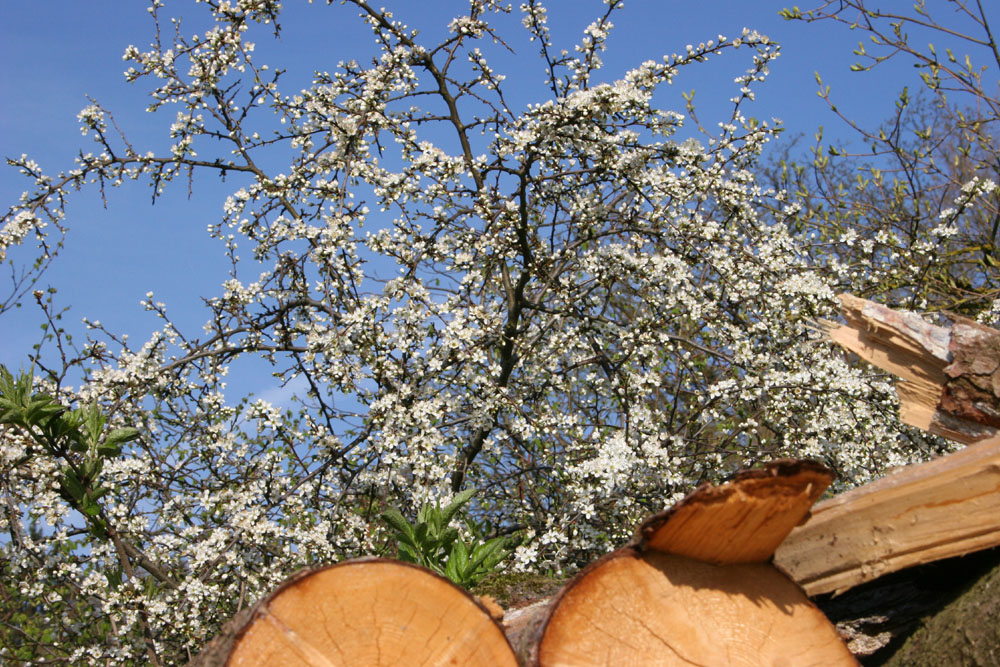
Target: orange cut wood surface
<point>740,521</point>
<point>370,612</point>
<point>663,609</point>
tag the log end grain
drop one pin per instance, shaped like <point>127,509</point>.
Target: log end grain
<point>656,608</point>
<point>367,612</point>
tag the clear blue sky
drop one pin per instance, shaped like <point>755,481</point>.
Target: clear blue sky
<point>56,52</point>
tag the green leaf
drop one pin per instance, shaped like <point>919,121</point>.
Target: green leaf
<point>460,555</point>
<point>456,504</point>
<point>90,508</point>
<point>109,451</point>
<point>394,518</point>
<point>114,577</point>
<point>71,484</point>
<point>408,553</point>
<point>447,538</point>
<point>91,468</point>
<point>424,542</point>
<point>92,421</point>
<point>99,529</point>
<point>119,436</point>
<point>425,513</point>
<point>451,571</point>
<point>488,556</point>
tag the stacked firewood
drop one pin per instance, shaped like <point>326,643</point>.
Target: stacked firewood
<point>724,577</point>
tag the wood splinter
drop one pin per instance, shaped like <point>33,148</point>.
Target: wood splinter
<point>949,377</point>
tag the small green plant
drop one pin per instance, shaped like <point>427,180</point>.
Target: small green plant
<point>76,438</point>
<point>436,545</point>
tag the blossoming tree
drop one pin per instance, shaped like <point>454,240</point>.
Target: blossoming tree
<point>580,310</point>
<point>919,188</point>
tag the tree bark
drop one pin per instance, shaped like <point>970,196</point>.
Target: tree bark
<point>965,632</point>
<point>878,619</point>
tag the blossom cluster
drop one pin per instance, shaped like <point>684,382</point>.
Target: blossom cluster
<point>582,310</point>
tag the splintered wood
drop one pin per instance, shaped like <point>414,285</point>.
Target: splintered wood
<point>921,513</point>
<point>949,377</point>
<point>949,385</point>
<point>742,521</point>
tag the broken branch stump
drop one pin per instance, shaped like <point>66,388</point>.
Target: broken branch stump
<point>949,377</point>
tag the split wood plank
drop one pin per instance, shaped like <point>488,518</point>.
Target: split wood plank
<point>920,513</point>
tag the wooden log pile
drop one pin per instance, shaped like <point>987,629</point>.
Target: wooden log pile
<point>724,577</point>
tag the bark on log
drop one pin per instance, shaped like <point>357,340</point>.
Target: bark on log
<point>966,631</point>
<point>363,612</point>
<point>879,618</point>
<point>727,605</point>
<point>920,513</point>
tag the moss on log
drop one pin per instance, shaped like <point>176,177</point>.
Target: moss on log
<point>965,632</point>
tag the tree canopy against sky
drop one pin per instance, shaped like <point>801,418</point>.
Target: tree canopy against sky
<point>46,88</point>
<point>580,298</point>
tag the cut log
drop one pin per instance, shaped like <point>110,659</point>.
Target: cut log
<point>920,513</point>
<point>728,606</point>
<point>654,608</point>
<point>949,377</point>
<point>363,612</point>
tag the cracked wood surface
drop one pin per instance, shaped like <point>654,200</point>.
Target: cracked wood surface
<point>653,608</point>
<point>364,612</point>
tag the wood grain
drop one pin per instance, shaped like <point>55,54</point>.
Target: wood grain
<point>946,507</point>
<point>652,608</point>
<point>741,521</point>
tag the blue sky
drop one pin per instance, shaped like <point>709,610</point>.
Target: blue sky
<point>57,52</point>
